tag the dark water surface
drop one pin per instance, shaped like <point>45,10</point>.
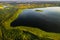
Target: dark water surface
<point>47,20</point>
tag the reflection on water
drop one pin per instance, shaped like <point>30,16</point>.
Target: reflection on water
<point>48,20</point>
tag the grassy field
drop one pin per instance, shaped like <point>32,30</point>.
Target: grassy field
<point>21,32</point>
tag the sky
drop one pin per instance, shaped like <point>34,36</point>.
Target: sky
<point>29,0</point>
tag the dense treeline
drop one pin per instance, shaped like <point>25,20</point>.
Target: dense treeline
<point>36,5</point>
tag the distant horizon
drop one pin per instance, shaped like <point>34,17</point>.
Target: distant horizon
<point>28,0</point>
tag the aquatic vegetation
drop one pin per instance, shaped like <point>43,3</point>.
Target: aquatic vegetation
<point>39,10</point>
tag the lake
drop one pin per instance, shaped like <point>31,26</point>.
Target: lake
<point>47,19</point>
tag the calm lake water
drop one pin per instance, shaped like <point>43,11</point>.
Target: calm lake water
<point>47,19</point>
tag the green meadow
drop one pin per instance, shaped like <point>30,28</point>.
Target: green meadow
<point>7,15</point>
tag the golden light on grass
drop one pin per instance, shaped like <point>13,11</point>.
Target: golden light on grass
<point>1,7</point>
